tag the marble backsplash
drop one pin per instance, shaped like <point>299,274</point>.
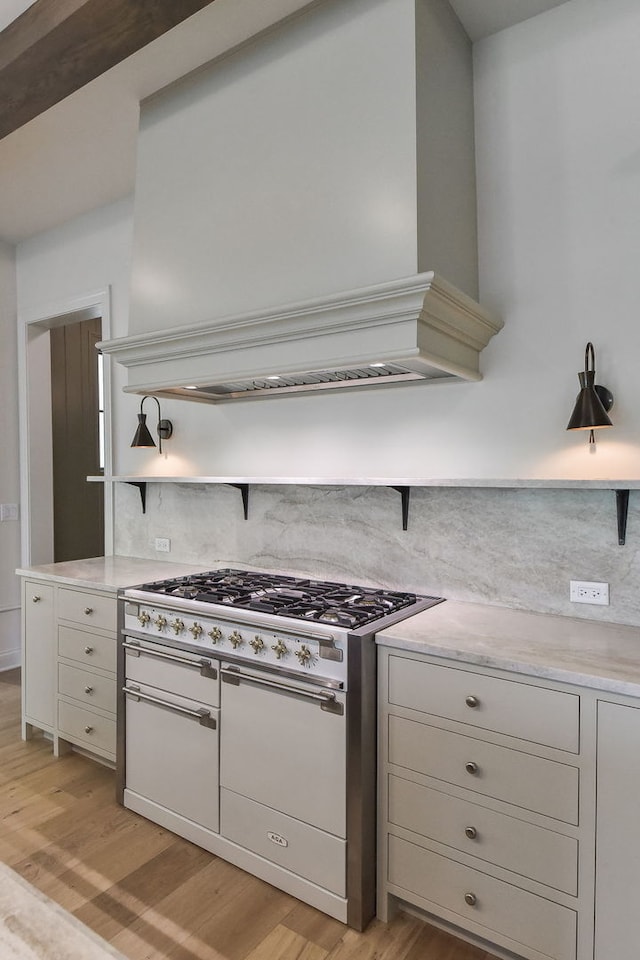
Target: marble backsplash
<point>511,547</point>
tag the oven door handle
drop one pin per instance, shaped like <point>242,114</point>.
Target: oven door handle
<point>204,666</point>
<point>203,716</point>
<point>327,701</point>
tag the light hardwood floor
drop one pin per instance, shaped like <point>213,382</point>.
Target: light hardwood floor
<point>152,894</point>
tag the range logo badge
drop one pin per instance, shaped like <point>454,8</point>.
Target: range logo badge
<point>277,839</point>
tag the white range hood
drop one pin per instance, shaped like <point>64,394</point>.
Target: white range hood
<point>281,192</point>
<point>418,329</point>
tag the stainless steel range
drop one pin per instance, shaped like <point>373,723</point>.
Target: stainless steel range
<point>247,724</point>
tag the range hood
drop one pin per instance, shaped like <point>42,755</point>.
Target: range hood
<point>403,331</point>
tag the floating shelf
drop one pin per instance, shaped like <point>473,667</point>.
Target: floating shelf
<point>403,486</point>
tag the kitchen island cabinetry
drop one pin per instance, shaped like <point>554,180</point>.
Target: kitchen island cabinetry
<point>86,672</point>
<point>480,793</point>
<point>69,640</point>
<point>38,657</point>
<point>617,831</point>
<point>509,779</point>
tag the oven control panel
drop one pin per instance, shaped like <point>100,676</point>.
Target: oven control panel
<point>306,652</point>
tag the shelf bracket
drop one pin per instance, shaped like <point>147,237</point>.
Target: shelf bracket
<point>142,487</point>
<point>622,509</point>
<point>244,490</point>
<point>405,493</point>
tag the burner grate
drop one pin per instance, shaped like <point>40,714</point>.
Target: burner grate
<point>313,600</point>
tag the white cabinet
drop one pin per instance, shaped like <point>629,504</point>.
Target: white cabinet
<point>69,676</point>
<point>86,671</point>
<point>38,657</point>
<point>618,832</point>
<point>486,805</point>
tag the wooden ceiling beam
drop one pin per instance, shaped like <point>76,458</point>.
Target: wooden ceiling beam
<point>57,46</point>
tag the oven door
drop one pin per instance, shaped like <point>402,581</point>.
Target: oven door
<point>283,745</point>
<point>172,737</point>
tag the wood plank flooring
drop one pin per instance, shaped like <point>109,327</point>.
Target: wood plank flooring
<point>152,894</point>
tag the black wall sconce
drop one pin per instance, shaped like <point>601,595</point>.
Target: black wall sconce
<point>593,402</point>
<point>142,436</point>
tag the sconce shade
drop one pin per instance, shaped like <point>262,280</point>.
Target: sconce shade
<point>589,412</point>
<point>142,436</point>
<point>593,401</point>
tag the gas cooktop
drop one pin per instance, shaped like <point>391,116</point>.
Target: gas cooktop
<point>314,600</point>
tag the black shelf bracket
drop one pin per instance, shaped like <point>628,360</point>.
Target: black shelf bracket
<point>622,509</point>
<point>405,493</point>
<point>142,487</point>
<point>244,490</point>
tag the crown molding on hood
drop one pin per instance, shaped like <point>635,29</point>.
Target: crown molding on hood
<point>418,328</point>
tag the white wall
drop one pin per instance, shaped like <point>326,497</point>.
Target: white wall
<point>9,474</point>
<point>556,138</point>
<point>75,260</point>
<point>557,132</point>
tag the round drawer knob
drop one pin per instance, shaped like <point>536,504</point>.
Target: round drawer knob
<point>470,899</point>
<point>88,650</point>
<point>471,767</point>
<point>470,832</point>
<point>88,689</point>
<point>88,729</point>
<point>472,701</point>
<point>36,599</point>
<point>88,611</point>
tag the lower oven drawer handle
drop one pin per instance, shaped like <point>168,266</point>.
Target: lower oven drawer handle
<point>203,716</point>
<point>327,701</point>
<point>204,666</point>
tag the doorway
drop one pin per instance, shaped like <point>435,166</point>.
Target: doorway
<point>63,516</point>
<point>76,410</point>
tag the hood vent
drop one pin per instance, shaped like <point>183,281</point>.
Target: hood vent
<point>421,328</point>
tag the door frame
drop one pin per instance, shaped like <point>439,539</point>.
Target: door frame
<point>34,404</point>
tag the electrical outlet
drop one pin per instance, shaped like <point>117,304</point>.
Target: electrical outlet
<point>9,511</point>
<point>163,544</point>
<point>588,591</point>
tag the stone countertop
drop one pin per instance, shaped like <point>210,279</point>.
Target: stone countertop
<point>584,652</point>
<point>108,573</point>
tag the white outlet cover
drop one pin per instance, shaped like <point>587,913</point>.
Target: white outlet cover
<point>589,591</point>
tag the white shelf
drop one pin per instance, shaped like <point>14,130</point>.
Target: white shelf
<point>510,484</point>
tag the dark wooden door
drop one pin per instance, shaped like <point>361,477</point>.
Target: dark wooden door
<point>78,507</point>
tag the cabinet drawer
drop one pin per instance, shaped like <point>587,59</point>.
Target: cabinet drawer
<point>285,841</point>
<point>524,848</point>
<point>90,729</point>
<point>90,609</point>
<point>89,648</point>
<point>517,709</point>
<point>90,688</point>
<point>499,908</point>
<point>533,783</point>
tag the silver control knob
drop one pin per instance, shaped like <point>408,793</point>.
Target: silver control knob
<point>215,633</point>
<point>304,655</point>
<point>160,622</point>
<point>143,618</point>
<point>280,649</point>
<point>257,643</point>
<point>236,639</point>
<point>195,630</point>
<point>88,611</point>
<point>177,626</point>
